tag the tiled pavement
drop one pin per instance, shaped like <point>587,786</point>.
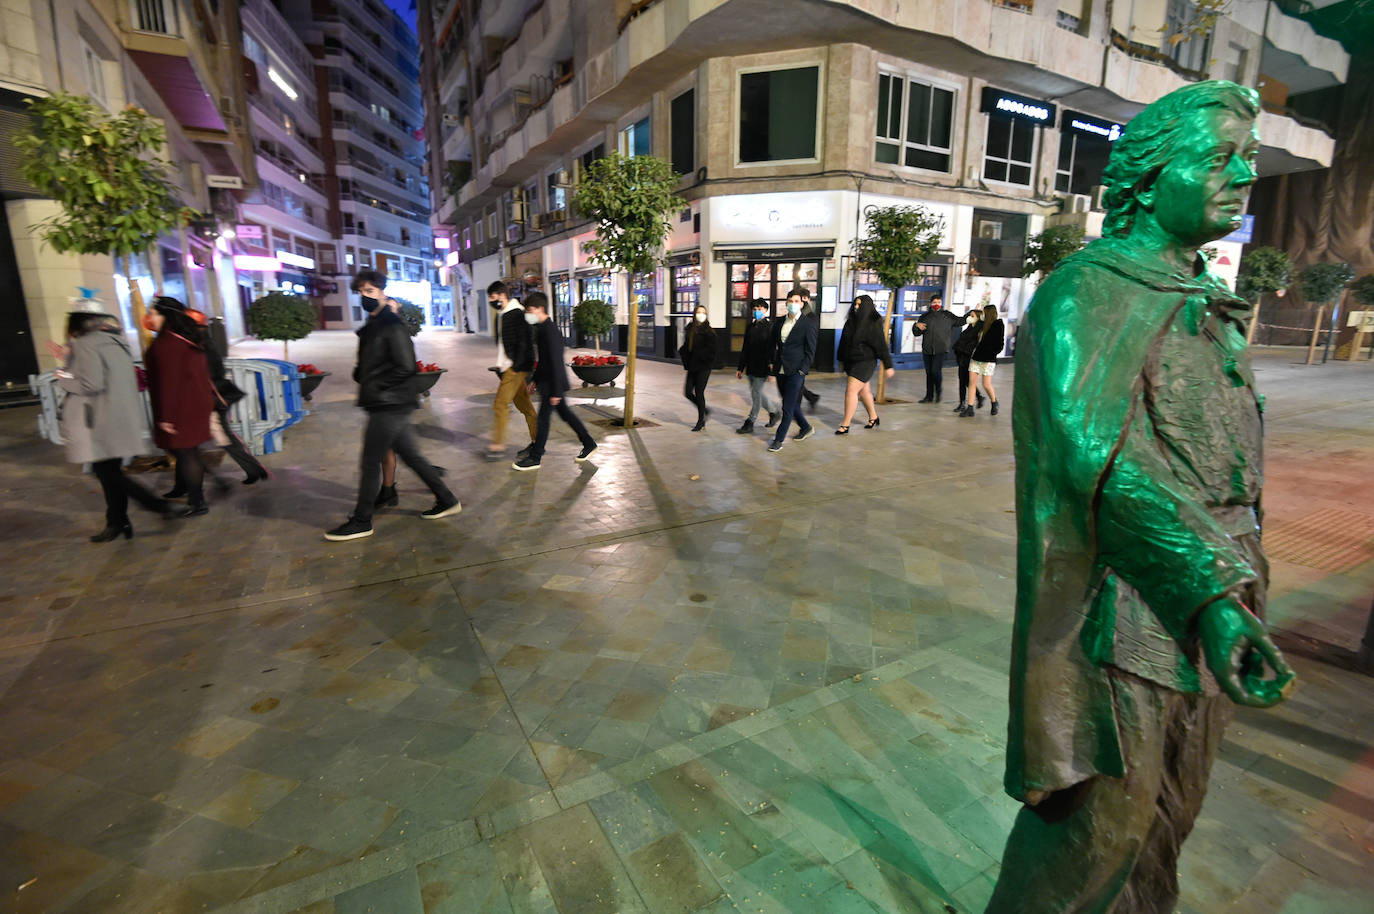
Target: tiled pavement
<point>689,677</point>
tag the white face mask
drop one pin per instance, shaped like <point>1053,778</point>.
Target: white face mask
<point>794,308</point>
<point>701,318</point>
<point>531,318</point>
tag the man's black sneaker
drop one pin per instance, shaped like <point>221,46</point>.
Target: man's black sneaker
<point>926,399</point>
<point>386,498</point>
<point>526,463</point>
<point>524,451</point>
<point>585,453</point>
<point>351,529</point>
<point>774,447</point>
<point>441,510</point>
<point>811,398</point>
<point>746,428</point>
<point>773,419</point>
<point>802,436</point>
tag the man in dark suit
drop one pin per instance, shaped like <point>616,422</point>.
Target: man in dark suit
<point>550,378</point>
<point>794,350</point>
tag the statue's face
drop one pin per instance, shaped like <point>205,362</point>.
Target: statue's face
<point>1200,195</point>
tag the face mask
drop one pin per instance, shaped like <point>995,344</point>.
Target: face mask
<point>531,318</point>
<point>758,314</point>
<point>371,304</point>
<point>793,308</point>
<point>495,303</point>
<point>148,323</point>
<point>701,318</point>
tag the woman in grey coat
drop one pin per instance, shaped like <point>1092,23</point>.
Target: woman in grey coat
<point>103,419</point>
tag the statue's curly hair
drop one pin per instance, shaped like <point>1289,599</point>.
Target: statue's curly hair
<point>1155,136</point>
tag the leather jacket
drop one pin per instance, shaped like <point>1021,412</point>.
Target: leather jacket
<point>385,371</point>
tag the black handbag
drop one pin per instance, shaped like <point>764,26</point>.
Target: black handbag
<point>228,392</point>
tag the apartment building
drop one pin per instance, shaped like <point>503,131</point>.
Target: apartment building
<point>787,119</point>
<point>179,60</point>
<point>370,114</point>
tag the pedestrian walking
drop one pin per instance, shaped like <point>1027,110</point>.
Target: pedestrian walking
<point>103,420</point>
<point>385,374</point>
<point>755,363</point>
<point>182,397</point>
<point>698,353</point>
<point>863,344</point>
<point>227,393</point>
<point>514,362</point>
<point>793,352</point>
<point>550,378</point>
<point>991,337</point>
<point>963,355</point>
<point>936,330</point>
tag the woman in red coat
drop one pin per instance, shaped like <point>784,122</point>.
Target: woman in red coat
<point>182,398</point>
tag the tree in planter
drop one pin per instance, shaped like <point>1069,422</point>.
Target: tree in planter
<point>1045,250</point>
<point>896,241</point>
<point>282,316</point>
<point>108,174</point>
<point>594,318</point>
<point>411,314</point>
<point>1261,270</point>
<point>630,199</point>
<point>1321,285</point>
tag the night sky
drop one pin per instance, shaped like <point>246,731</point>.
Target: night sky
<point>406,8</point>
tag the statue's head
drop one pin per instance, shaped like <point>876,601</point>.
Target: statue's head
<point>1186,163</point>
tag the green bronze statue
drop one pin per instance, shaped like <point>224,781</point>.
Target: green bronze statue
<point>1140,580</point>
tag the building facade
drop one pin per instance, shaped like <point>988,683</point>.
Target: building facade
<point>787,120</point>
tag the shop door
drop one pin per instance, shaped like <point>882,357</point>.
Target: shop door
<point>561,289</point>
<point>17,353</point>
<point>601,288</point>
<point>912,302</point>
<point>771,282</point>
<point>643,294</point>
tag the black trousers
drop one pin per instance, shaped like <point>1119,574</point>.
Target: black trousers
<point>694,389</point>
<point>935,379</point>
<point>118,489</point>
<point>237,450</point>
<point>546,411</point>
<point>190,474</point>
<point>390,430</point>
<point>963,361</point>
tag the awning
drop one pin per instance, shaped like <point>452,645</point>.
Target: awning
<point>181,90</point>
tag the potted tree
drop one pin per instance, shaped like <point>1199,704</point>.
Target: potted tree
<point>1262,270</point>
<point>413,316</point>
<point>593,318</point>
<point>1322,284</point>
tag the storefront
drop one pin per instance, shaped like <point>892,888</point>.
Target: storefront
<point>1085,145</point>
<point>1013,136</point>
<point>644,299</point>
<point>769,274</point>
<point>912,302</point>
<point>684,294</point>
<point>597,285</point>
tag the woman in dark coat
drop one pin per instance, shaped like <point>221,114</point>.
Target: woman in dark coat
<point>698,351</point>
<point>963,354</point>
<point>103,418</point>
<point>182,396</point>
<point>863,344</point>
<point>991,338</point>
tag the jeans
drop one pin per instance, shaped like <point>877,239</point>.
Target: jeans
<point>935,380</point>
<point>790,387</point>
<point>546,411</point>
<point>118,487</point>
<point>758,397</point>
<point>694,389</point>
<point>389,430</point>
<point>512,390</point>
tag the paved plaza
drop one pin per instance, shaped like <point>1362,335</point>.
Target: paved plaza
<point>688,676</point>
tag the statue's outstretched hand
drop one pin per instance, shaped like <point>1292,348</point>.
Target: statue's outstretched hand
<point>1237,648</point>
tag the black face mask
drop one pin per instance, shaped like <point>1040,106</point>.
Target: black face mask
<point>370,305</point>
<point>495,303</point>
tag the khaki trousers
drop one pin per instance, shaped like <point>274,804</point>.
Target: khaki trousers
<point>1109,845</point>
<point>512,390</point>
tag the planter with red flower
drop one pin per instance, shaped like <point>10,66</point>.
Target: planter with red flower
<point>311,378</point>
<point>428,376</point>
<point>597,369</point>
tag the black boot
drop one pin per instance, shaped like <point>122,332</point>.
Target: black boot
<point>386,498</point>
<point>113,532</point>
<point>960,407</point>
<point>968,412</point>
<point>746,428</point>
<point>993,411</point>
<point>981,398</point>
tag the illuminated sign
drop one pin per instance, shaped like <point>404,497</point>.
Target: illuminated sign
<point>281,83</point>
<point>442,243</point>
<point>451,259</point>
<point>296,260</point>
<point>230,182</point>
<point>1078,122</point>
<point>254,262</point>
<point>760,212</point>
<point>248,232</point>
<point>1017,106</point>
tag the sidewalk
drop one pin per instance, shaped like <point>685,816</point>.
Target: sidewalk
<point>690,676</point>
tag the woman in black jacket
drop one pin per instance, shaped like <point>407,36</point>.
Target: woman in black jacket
<point>698,351</point>
<point>991,338</point>
<point>863,344</point>
<point>963,355</point>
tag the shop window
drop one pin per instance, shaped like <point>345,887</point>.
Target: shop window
<point>1082,159</point>
<point>1011,150</point>
<point>777,114</point>
<point>915,123</point>
<point>634,139</point>
<point>684,132</point>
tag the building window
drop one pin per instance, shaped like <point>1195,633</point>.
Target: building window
<point>491,224</point>
<point>684,132</point>
<point>558,195</point>
<point>634,139</point>
<point>1011,150</point>
<point>532,199</point>
<point>777,114</point>
<point>95,74</point>
<point>915,131</point>
<point>467,238</point>
<point>477,232</point>
<point>1082,160</point>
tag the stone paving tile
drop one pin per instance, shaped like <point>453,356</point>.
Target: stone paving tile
<point>778,686</point>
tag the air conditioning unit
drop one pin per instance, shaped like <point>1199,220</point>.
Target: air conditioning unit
<point>1097,194</point>
<point>1079,203</point>
<point>537,222</point>
<point>576,172</point>
<point>558,215</point>
<point>562,178</point>
<point>514,233</point>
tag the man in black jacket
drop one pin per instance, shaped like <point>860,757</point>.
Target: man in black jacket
<point>793,351</point>
<point>551,379</point>
<point>936,329</point>
<point>514,359</point>
<point>756,362</point>
<point>385,374</point>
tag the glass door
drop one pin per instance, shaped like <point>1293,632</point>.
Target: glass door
<point>770,282</point>
<point>912,302</point>
<point>560,288</point>
<point>644,295</point>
